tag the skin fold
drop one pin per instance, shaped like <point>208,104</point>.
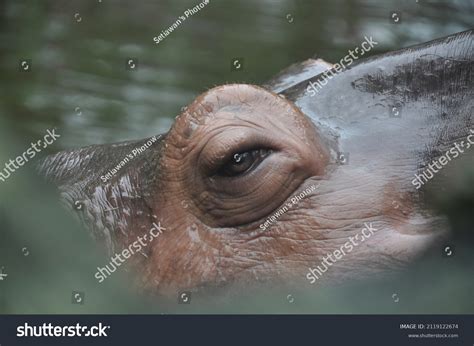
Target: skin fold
<point>224,181</point>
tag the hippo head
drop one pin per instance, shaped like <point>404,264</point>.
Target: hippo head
<point>322,182</point>
<point>252,190</point>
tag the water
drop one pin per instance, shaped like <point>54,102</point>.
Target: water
<point>80,81</point>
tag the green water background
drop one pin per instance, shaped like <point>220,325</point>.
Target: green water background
<point>79,82</point>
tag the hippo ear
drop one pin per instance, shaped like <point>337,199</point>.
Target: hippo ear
<point>297,73</point>
<point>239,151</point>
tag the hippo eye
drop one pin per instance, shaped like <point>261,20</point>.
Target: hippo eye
<point>243,162</point>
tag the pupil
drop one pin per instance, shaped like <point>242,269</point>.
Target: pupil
<point>239,157</point>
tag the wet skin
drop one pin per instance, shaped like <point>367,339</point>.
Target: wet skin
<point>240,153</point>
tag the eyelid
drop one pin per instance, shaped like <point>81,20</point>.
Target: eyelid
<point>214,156</point>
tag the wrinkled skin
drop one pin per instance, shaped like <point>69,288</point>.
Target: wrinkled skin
<point>212,204</point>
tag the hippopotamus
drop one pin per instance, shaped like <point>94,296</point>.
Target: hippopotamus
<point>318,176</point>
